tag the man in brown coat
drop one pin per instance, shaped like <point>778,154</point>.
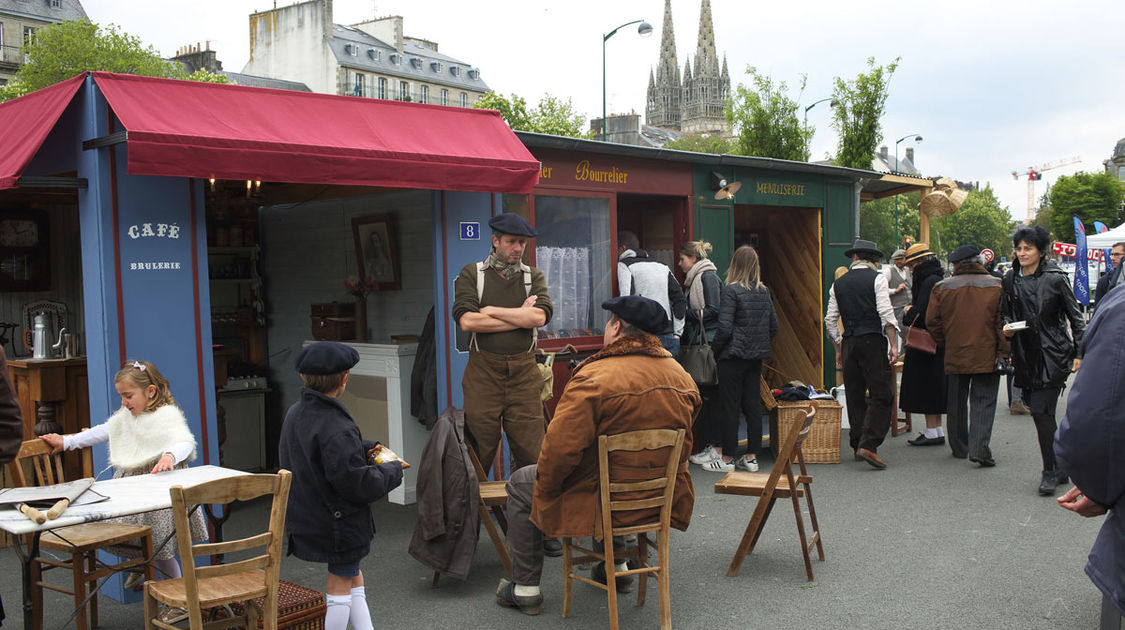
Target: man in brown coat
<point>964,316</point>
<point>631,384</point>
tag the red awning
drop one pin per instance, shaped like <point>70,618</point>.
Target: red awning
<point>192,129</point>
<point>25,123</point>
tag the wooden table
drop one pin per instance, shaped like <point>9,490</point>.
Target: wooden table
<point>127,495</point>
<point>53,395</point>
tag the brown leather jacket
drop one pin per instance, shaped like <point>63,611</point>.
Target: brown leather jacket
<point>445,536</point>
<point>630,384</point>
<point>11,420</point>
<point>964,316</point>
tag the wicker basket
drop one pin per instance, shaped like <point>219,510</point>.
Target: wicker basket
<point>298,607</point>
<point>822,446</point>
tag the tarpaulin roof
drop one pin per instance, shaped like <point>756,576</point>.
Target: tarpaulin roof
<point>194,129</point>
<point>25,123</point>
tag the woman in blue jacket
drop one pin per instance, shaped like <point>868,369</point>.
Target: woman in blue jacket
<point>747,326</point>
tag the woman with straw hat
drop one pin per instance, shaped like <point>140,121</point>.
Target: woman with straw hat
<point>923,388</point>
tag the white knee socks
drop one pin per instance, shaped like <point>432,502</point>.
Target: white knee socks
<point>361,614</point>
<point>339,612</point>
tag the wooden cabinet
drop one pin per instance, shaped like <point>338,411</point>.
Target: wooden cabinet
<point>53,396</point>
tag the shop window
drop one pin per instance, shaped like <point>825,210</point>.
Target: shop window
<point>573,251</point>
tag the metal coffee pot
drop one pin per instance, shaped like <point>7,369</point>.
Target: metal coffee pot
<point>38,339</point>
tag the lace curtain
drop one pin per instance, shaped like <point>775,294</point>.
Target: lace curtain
<point>573,252</point>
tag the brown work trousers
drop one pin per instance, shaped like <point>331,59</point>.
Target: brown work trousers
<point>503,388</point>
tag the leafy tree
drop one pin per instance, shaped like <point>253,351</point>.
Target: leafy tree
<point>1088,196</point>
<point>859,112</point>
<point>765,122</point>
<point>701,143</point>
<point>557,117</point>
<point>980,221</point>
<point>553,115</point>
<point>60,51</point>
<point>876,221</point>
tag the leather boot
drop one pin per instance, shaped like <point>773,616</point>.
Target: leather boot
<point>1049,483</point>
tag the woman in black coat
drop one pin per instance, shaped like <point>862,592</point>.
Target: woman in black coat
<point>924,386</point>
<point>1048,348</point>
<point>701,288</point>
<point>747,325</point>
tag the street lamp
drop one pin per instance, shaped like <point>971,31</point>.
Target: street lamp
<point>834,103</point>
<point>644,30</point>
<point>917,138</point>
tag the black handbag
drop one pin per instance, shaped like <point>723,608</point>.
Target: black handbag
<point>699,360</point>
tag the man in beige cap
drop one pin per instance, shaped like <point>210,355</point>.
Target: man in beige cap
<point>898,285</point>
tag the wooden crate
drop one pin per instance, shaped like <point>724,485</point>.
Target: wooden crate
<point>822,446</point>
<point>298,607</point>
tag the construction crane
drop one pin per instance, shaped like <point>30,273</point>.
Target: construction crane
<point>1034,174</point>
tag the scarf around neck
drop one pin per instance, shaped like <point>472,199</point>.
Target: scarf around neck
<point>696,301</point>
<point>505,269</point>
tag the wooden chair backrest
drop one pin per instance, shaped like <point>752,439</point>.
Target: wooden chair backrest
<point>789,452</point>
<point>46,469</point>
<point>224,491</point>
<point>633,441</point>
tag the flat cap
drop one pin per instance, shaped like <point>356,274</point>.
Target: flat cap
<point>646,314</point>
<point>326,357</point>
<point>514,224</point>
<point>899,253</point>
<point>964,252</point>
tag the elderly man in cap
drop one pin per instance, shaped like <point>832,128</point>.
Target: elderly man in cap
<point>329,516</point>
<point>502,302</point>
<point>964,317</point>
<point>631,384</point>
<point>898,283</point>
<point>866,349</point>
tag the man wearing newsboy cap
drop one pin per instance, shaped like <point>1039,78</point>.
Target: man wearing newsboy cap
<point>866,349</point>
<point>633,383</point>
<point>501,302</point>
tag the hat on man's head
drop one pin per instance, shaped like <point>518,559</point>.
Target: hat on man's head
<point>864,247</point>
<point>514,224</point>
<point>326,357</point>
<point>899,253</point>
<point>646,314</point>
<point>964,252</point>
<point>918,251</point>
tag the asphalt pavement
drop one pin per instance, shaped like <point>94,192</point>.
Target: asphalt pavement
<point>930,542</point>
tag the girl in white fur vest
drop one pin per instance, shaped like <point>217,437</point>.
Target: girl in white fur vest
<point>148,434</point>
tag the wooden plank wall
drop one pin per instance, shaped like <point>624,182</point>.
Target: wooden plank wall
<point>66,281</point>
<point>789,244</point>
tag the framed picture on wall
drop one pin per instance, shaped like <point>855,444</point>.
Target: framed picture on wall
<point>25,250</point>
<point>376,251</point>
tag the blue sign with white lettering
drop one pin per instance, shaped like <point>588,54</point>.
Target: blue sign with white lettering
<point>470,231</point>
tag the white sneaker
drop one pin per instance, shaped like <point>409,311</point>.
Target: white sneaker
<point>718,465</point>
<point>750,465</point>
<point>704,456</point>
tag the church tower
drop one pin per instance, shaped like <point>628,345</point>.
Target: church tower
<point>694,101</point>
<point>665,90</point>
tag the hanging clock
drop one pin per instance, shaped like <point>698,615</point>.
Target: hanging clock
<point>25,252</point>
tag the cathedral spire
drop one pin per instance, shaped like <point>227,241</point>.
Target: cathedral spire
<point>669,66</point>
<point>705,56</point>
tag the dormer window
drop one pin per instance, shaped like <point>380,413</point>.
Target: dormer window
<point>435,66</point>
<point>416,62</point>
<point>351,49</point>
<point>56,4</point>
<point>374,54</point>
<point>455,70</point>
<point>396,59</point>
<point>474,74</point>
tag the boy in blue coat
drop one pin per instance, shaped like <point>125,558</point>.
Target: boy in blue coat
<point>329,517</point>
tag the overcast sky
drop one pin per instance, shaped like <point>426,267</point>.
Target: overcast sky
<point>992,87</point>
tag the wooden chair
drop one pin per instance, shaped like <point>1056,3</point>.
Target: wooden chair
<point>493,501</point>
<point>207,587</point>
<point>617,497</point>
<point>80,542</point>
<point>779,483</point>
